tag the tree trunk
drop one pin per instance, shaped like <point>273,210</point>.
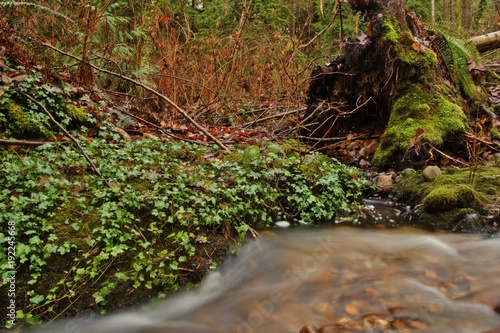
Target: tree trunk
<point>487,42</point>
<point>466,14</point>
<point>446,10</point>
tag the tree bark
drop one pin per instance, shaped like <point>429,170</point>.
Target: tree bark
<point>433,11</point>
<point>466,14</point>
<point>446,10</point>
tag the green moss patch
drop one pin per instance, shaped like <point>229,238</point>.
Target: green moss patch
<point>76,113</point>
<point>417,110</point>
<point>403,41</point>
<point>423,60</point>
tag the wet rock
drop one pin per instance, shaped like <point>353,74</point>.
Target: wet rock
<point>408,171</point>
<point>383,182</point>
<point>349,324</point>
<point>308,329</point>
<point>282,224</point>
<point>328,329</point>
<point>440,199</point>
<point>431,172</point>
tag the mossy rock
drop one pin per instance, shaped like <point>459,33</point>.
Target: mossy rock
<point>468,197</point>
<point>442,198</point>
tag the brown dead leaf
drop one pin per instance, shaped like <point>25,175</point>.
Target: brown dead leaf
<point>418,134</point>
<point>123,133</point>
<point>44,179</point>
<point>6,79</point>
<point>416,46</point>
<point>19,78</point>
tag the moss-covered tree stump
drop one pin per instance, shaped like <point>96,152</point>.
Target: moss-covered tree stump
<point>390,83</point>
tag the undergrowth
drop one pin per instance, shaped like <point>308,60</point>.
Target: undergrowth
<point>74,234</point>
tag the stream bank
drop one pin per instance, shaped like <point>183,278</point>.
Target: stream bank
<point>444,199</point>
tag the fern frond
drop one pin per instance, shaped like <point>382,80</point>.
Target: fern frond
<point>456,53</point>
<point>15,4</point>
<point>464,47</point>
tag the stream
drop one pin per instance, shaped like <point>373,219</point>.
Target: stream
<point>333,279</point>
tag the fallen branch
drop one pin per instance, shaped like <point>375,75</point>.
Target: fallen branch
<point>339,138</point>
<point>24,143</point>
<point>92,165</point>
<point>151,90</point>
<point>256,121</point>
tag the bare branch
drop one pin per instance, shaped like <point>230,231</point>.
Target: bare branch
<point>282,114</point>
<point>328,26</point>
<point>93,166</point>
<point>151,90</point>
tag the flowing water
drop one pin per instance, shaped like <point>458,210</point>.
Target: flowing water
<point>334,280</point>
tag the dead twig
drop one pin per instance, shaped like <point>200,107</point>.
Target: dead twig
<point>337,138</point>
<point>328,26</point>
<point>447,156</point>
<point>344,139</point>
<point>260,120</point>
<point>75,141</point>
<point>149,89</point>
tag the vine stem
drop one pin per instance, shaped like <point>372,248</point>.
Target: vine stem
<point>149,89</point>
<point>72,138</point>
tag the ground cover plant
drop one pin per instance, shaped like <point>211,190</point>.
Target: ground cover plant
<point>80,242</point>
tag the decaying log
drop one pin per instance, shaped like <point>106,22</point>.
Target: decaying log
<point>486,42</point>
<point>363,79</point>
